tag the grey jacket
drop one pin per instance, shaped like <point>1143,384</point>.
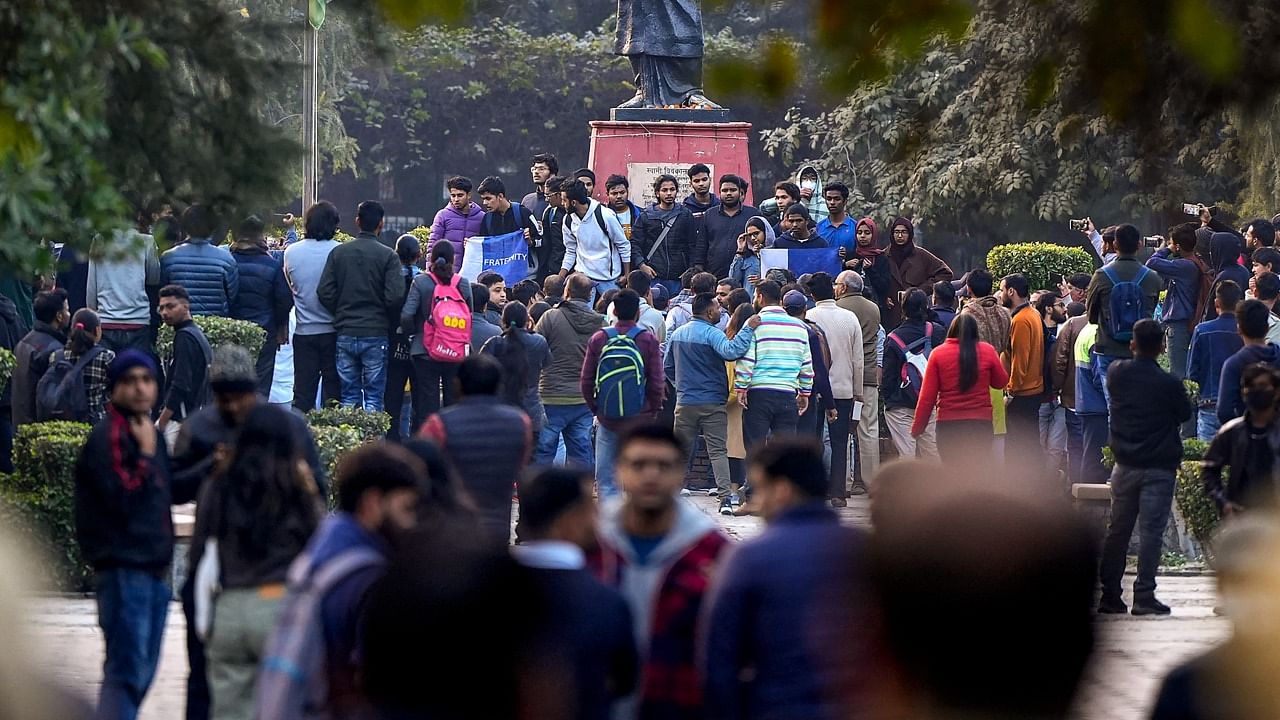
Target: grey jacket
<point>417,308</point>
<point>568,329</point>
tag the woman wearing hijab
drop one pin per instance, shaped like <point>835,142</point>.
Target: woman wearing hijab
<point>871,262</point>
<point>909,267</point>
<point>746,261</point>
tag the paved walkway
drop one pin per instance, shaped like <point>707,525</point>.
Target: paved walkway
<point>1134,653</point>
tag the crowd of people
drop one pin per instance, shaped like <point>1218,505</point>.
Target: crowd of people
<point>639,340</point>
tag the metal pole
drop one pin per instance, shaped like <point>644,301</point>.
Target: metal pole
<point>310,115</point>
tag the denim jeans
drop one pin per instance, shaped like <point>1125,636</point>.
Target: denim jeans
<point>1179,342</point>
<point>1101,363</point>
<point>1075,446</point>
<point>1053,434</point>
<point>672,287</point>
<point>768,411</point>
<point>606,454</point>
<point>574,422</point>
<point>1207,423</point>
<point>601,287</point>
<point>136,339</point>
<point>1144,494</point>
<point>399,371</point>
<point>362,368</point>
<point>132,607</point>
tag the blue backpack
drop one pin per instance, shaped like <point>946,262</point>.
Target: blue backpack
<point>620,376</point>
<point>1126,304</point>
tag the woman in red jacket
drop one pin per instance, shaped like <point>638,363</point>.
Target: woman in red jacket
<point>957,381</point>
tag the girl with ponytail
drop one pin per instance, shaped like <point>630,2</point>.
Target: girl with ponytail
<point>83,338</point>
<point>523,355</point>
<point>433,385</point>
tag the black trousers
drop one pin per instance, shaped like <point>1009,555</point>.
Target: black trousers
<point>437,382</point>
<point>137,339</point>
<point>399,370</point>
<point>266,365</point>
<point>839,431</point>
<point>1022,440</point>
<point>315,362</point>
<point>961,441</point>
<point>768,411</point>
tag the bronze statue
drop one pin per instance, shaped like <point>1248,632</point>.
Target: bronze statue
<point>663,40</point>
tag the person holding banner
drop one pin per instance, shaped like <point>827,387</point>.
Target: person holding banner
<point>503,217</point>
<point>594,243</point>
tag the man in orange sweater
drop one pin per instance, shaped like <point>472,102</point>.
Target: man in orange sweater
<point>1025,361</point>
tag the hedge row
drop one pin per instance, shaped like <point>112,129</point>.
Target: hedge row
<point>1043,263</point>
<point>37,501</point>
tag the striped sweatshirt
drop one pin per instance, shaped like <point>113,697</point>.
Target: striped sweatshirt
<point>779,359</point>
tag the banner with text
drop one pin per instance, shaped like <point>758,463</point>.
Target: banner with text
<point>800,262</point>
<point>507,255</point>
<point>641,177</point>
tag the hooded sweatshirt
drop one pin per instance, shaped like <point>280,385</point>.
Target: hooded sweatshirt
<point>567,329</point>
<point>816,204</point>
<point>456,227</point>
<point>1230,400</point>
<point>665,595</point>
<point>911,267</point>
<point>1183,276</point>
<point>698,208</point>
<point>1224,262</point>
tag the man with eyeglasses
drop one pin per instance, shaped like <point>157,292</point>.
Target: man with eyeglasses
<point>659,553</point>
<point>1053,415</point>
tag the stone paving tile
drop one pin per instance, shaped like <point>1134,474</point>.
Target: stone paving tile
<point>1133,653</point>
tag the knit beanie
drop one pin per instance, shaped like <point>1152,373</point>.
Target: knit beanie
<point>126,361</point>
<point>232,370</point>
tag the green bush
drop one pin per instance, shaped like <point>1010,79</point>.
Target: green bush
<point>218,331</point>
<point>368,425</point>
<point>342,237</point>
<point>41,495</point>
<point>423,234</point>
<point>7,363</point>
<point>333,441</point>
<point>1194,504</point>
<point>1042,263</point>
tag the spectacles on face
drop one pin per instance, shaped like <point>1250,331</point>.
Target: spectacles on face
<point>900,231</point>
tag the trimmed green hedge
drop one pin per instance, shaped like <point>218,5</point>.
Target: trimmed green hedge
<point>333,442</point>
<point>1042,263</point>
<point>7,363</point>
<point>369,425</point>
<point>41,496</point>
<point>1195,506</point>
<point>218,331</point>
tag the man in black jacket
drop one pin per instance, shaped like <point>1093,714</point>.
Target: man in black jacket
<point>717,239</point>
<point>662,238</point>
<point>549,255</point>
<point>1247,445</point>
<point>122,497</point>
<point>1147,406</point>
<point>589,636</point>
<point>187,373</point>
<point>362,285</point>
<point>33,351</point>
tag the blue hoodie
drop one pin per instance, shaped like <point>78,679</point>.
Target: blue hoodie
<point>1230,400</point>
<point>1182,275</point>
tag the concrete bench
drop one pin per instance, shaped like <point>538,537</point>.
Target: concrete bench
<point>1091,492</point>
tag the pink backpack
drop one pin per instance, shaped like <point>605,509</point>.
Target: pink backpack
<point>446,334</point>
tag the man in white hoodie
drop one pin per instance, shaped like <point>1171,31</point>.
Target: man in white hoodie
<point>660,553</point>
<point>594,243</point>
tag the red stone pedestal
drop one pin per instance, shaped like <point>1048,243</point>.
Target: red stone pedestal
<point>643,150</point>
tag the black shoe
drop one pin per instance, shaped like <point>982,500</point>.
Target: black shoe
<point>1112,606</point>
<point>1150,606</point>
<point>726,506</point>
<point>839,503</point>
<point>858,489</point>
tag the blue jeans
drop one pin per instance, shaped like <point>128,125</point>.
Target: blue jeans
<point>1053,434</point>
<point>1100,365</point>
<point>132,607</point>
<point>1136,493</point>
<point>1179,339</point>
<point>606,454</point>
<point>1207,423</point>
<point>672,287</point>
<point>362,369</point>
<point>601,287</point>
<point>574,422</point>
<point>1096,431</point>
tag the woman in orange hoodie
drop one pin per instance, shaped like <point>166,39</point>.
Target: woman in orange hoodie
<point>958,381</point>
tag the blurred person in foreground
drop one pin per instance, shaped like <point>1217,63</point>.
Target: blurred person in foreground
<point>1247,448</point>
<point>590,625</point>
<point>659,552</point>
<point>772,594</point>
<point>313,659</point>
<point>1028,634</point>
<point>1235,680</point>
<point>1148,405</point>
<point>123,494</point>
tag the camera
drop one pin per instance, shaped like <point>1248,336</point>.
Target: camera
<point>1153,241</point>
<point>1079,225</point>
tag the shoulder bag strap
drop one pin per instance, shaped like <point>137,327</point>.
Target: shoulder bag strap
<point>666,229</point>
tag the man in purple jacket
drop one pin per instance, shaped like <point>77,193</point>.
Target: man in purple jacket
<point>458,220</point>
<point>626,307</point>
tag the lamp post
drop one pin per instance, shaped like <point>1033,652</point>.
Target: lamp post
<point>315,10</point>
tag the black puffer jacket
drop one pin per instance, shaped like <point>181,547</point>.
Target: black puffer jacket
<point>672,257</point>
<point>11,332</point>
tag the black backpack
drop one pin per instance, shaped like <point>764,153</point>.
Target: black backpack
<point>61,393</point>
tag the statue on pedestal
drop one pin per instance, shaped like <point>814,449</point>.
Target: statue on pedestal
<point>663,40</point>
